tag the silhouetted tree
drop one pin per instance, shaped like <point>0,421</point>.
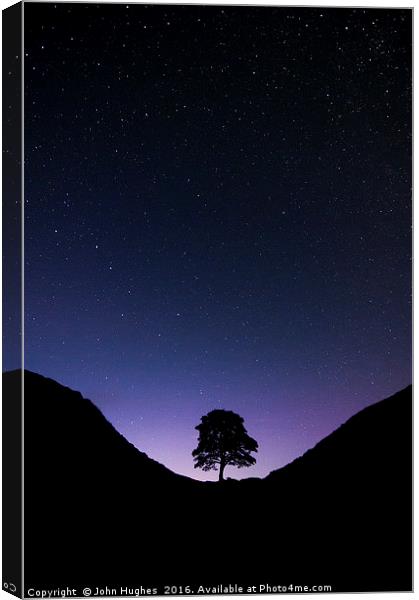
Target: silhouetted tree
<point>223,440</point>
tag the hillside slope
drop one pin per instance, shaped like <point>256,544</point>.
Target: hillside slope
<point>375,435</point>
<point>91,498</point>
<point>354,490</point>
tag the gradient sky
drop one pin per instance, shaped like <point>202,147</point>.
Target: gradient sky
<point>218,214</point>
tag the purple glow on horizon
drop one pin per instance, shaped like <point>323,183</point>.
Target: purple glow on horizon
<point>163,426</point>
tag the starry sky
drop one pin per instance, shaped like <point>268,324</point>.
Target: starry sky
<point>218,215</point>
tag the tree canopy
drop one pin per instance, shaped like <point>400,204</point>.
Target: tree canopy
<point>223,440</point>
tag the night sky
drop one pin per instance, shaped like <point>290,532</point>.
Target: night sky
<point>218,215</point>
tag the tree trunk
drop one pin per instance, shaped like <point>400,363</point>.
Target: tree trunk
<point>221,473</point>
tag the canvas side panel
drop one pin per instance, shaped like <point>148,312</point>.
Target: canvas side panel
<point>12,299</point>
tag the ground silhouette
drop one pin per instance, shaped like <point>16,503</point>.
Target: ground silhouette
<point>223,440</point>
<point>98,509</point>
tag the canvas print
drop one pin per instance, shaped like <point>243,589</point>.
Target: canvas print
<point>207,316</point>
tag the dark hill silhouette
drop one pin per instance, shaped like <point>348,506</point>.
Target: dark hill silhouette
<point>89,494</point>
<point>367,437</point>
<point>99,510</point>
<point>79,429</point>
<point>354,488</point>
